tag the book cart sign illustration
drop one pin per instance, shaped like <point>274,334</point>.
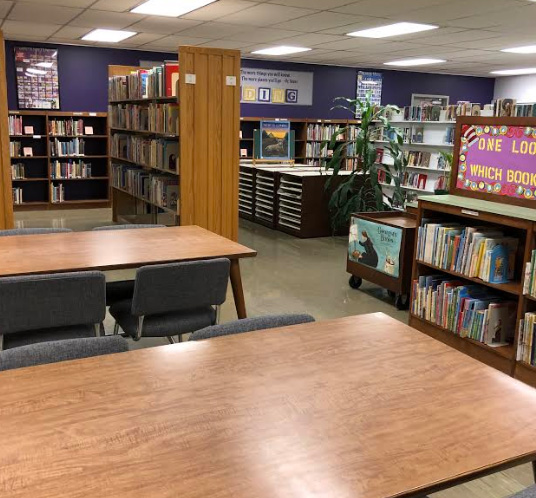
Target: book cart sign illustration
<point>271,86</point>
<point>498,160</point>
<point>275,143</point>
<point>375,245</point>
<point>38,84</point>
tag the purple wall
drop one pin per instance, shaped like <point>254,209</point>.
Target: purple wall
<point>84,73</point>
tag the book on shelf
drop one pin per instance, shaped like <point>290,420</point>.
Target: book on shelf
<point>475,252</point>
<point>18,171</point>
<point>70,169</point>
<point>325,132</point>
<point>57,193</point>
<point>418,135</point>
<point>29,130</point>
<point>88,130</point>
<point>15,125</point>
<point>66,127</point>
<point>418,158</point>
<point>449,135</point>
<point>74,147</point>
<point>529,281</point>
<point>415,180</point>
<point>243,153</point>
<point>17,195</point>
<point>171,71</point>
<point>467,310</point>
<point>526,348</point>
<point>505,107</point>
<point>157,118</point>
<point>149,152</point>
<point>525,110</point>
<point>441,183</point>
<point>27,151</point>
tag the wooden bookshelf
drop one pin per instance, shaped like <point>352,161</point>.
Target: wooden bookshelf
<point>79,192</point>
<point>208,129</point>
<point>519,222</point>
<point>6,197</point>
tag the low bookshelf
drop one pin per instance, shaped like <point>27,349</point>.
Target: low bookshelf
<point>474,286</point>
<point>59,159</point>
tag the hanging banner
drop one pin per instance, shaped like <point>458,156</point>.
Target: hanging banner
<point>272,86</point>
<point>498,160</point>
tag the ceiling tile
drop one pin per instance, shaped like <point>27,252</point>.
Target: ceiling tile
<point>104,19</point>
<point>310,40</point>
<point>4,8</point>
<point>384,8</point>
<point>231,44</point>
<point>163,25</point>
<point>263,35</point>
<point>266,14</point>
<point>312,4</point>
<point>71,33</point>
<point>18,29</point>
<point>319,21</point>
<point>219,9</point>
<point>65,3</point>
<point>172,43</point>
<point>143,38</point>
<point>116,5</point>
<point>213,30</point>
<point>25,11</point>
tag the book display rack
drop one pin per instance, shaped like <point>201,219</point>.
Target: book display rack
<point>473,261</point>
<point>58,159</point>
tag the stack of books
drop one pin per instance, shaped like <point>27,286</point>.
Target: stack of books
<point>466,310</point>
<point>476,252</point>
<point>74,147</point>
<point>57,193</point>
<point>526,348</point>
<point>66,127</point>
<point>70,169</point>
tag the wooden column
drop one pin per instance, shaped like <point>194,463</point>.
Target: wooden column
<point>209,106</point>
<point>6,198</point>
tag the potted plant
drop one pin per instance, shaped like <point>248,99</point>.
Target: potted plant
<point>361,190</point>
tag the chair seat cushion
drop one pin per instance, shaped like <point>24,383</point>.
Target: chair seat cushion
<point>165,325</point>
<point>119,291</point>
<point>526,493</point>
<point>56,334</point>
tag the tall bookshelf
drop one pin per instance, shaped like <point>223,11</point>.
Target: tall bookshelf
<point>68,164</point>
<point>514,217</point>
<point>6,202</point>
<point>208,129</point>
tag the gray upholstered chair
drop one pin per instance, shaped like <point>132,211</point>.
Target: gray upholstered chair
<point>40,308</point>
<point>250,325</point>
<point>132,226</point>
<point>122,289</point>
<point>54,351</point>
<point>173,299</point>
<point>32,231</point>
<point>526,493</point>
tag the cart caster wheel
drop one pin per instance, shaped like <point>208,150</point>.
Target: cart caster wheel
<point>391,294</point>
<point>402,302</point>
<point>355,282</point>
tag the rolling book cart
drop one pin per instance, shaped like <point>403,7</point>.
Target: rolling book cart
<point>491,191</point>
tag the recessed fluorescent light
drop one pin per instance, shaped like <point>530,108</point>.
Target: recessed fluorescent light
<point>414,62</point>
<point>108,35</point>
<point>515,72</point>
<point>170,8</point>
<point>399,28</point>
<point>281,50</point>
<point>527,49</point>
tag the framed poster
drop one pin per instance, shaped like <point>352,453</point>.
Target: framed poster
<point>372,82</point>
<point>38,84</point>
<point>275,140</point>
<point>496,159</point>
<point>375,245</point>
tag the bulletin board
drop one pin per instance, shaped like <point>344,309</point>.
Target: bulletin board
<point>495,159</point>
<point>38,84</point>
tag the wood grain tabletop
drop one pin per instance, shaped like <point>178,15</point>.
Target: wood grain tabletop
<point>112,249</point>
<point>360,407</point>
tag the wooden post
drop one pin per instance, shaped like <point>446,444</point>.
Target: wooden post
<point>209,107</point>
<point>6,197</point>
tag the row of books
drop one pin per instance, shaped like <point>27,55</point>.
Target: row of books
<point>525,110</point>
<point>317,149</point>
<point>57,193</point>
<point>529,282</point>
<point>526,347</point>
<point>419,158</point>
<point>425,112</point>
<point>158,118</point>
<point>414,180</point>
<point>150,152</point>
<point>476,252</point>
<point>160,81</point>
<point>65,127</point>
<point>15,125</point>
<point>74,147</point>
<point>70,169</point>
<point>469,311</point>
<point>17,195</point>
<point>17,150</point>
<point>382,134</point>
<point>161,190</point>
<point>18,171</point>
<point>324,132</point>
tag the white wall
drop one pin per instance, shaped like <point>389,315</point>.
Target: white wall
<point>522,88</point>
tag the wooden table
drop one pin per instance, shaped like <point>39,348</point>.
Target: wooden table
<point>360,407</point>
<point>120,249</point>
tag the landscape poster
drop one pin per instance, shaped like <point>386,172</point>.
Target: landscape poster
<point>275,140</point>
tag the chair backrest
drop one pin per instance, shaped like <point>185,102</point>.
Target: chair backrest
<point>127,227</point>
<point>54,351</point>
<point>46,301</point>
<point>250,325</point>
<point>180,286</point>
<point>32,231</point>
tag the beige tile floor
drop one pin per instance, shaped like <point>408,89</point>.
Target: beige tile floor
<point>293,275</point>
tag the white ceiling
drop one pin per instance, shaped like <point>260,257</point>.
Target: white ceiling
<point>470,36</point>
